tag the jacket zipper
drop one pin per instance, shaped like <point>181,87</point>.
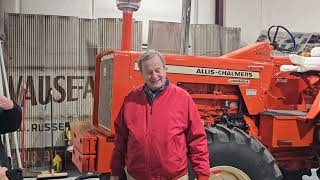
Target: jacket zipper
<point>148,138</point>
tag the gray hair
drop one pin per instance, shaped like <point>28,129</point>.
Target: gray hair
<point>148,55</point>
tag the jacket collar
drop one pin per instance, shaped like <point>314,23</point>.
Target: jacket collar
<point>153,94</point>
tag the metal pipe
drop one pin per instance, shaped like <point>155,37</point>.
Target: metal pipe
<point>196,13</point>
<point>23,123</point>
<point>185,27</point>
<point>126,31</point>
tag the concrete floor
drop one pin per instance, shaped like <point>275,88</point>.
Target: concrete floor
<point>305,177</point>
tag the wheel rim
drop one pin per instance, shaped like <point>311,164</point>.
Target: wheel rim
<point>227,173</point>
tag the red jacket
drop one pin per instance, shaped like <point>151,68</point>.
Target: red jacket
<point>154,140</point>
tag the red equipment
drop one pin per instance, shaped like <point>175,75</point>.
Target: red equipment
<point>243,89</point>
<point>257,118</point>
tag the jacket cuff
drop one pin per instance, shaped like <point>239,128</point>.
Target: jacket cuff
<point>115,172</point>
<point>202,177</point>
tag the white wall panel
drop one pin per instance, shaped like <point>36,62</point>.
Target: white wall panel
<point>254,16</point>
<point>246,15</point>
<point>79,8</point>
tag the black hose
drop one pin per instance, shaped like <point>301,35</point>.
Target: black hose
<point>102,176</point>
<point>87,176</point>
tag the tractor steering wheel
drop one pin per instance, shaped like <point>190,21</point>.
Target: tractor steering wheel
<point>274,43</point>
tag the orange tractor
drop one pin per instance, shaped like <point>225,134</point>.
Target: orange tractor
<point>258,119</point>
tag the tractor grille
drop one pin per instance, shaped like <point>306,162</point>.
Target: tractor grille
<point>105,92</point>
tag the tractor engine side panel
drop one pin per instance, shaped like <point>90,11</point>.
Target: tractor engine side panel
<point>213,99</point>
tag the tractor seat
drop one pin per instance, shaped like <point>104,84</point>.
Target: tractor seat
<point>301,64</point>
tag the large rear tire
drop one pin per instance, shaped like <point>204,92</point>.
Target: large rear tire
<point>233,147</point>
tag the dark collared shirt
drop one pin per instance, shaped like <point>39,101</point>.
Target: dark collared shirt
<point>153,94</point>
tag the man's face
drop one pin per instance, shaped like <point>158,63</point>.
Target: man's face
<point>153,73</point>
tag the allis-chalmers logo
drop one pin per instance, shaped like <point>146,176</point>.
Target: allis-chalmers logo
<point>174,69</point>
<point>223,72</point>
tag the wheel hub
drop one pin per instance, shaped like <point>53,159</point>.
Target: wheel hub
<point>227,173</point>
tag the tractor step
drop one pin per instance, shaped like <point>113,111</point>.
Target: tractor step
<point>276,112</point>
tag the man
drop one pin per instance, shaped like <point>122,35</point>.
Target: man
<point>10,120</point>
<point>158,128</point>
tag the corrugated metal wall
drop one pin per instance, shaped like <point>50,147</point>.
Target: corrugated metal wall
<point>57,52</point>
<point>164,36</point>
<point>110,38</point>
<point>1,25</point>
<point>230,39</point>
<point>205,39</point>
